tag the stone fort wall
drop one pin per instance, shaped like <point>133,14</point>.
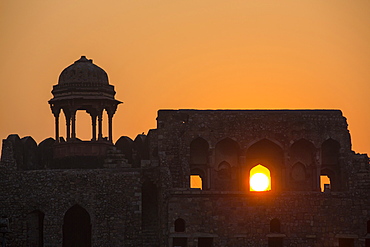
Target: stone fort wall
<point>115,211</point>
<point>141,188</point>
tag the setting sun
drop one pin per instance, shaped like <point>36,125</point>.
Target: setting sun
<point>259,182</point>
<point>260,179</point>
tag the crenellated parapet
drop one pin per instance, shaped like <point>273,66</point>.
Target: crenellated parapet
<point>25,154</point>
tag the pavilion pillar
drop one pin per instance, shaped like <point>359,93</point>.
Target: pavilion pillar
<point>100,126</point>
<point>110,124</point>
<point>56,113</point>
<point>68,125</point>
<point>73,125</point>
<point>57,128</point>
<point>93,123</point>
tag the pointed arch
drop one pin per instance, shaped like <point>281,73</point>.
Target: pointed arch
<point>303,171</point>
<point>199,151</point>
<point>298,173</point>
<point>224,170</point>
<point>76,227</point>
<point>269,155</point>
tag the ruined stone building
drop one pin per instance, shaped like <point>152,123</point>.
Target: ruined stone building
<point>67,192</point>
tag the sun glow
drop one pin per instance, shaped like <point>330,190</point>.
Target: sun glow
<point>259,182</point>
<point>260,179</point>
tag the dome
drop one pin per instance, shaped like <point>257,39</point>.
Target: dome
<point>83,72</point>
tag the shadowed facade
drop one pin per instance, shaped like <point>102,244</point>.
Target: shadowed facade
<point>68,192</point>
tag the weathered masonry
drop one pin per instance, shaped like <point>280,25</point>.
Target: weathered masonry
<point>143,192</point>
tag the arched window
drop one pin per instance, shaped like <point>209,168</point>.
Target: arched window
<point>330,163</point>
<point>303,173</point>
<point>76,227</point>
<point>268,154</point>
<point>275,226</point>
<point>224,171</point>
<point>259,178</point>
<point>198,163</point>
<point>197,179</point>
<point>179,225</point>
<point>326,177</point>
<point>301,178</point>
<point>298,172</point>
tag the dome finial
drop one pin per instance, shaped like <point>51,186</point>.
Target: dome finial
<point>84,59</point>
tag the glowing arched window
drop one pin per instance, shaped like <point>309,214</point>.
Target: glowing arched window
<point>197,179</point>
<point>196,182</point>
<point>259,179</point>
<point>324,183</point>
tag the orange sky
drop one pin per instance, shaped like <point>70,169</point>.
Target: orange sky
<point>218,54</point>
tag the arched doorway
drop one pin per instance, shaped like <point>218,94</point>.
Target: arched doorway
<point>76,228</point>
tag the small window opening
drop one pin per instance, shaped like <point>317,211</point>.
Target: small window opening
<point>275,242</point>
<point>179,225</point>
<point>325,184</point>
<point>275,226</point>
<point>205,242</point>
<point>259,179</point>
<point>180,242</point>
<point>346,242</point>
<point>196,182</point>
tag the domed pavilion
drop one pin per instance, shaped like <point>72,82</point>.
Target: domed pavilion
<point>83,86</point>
